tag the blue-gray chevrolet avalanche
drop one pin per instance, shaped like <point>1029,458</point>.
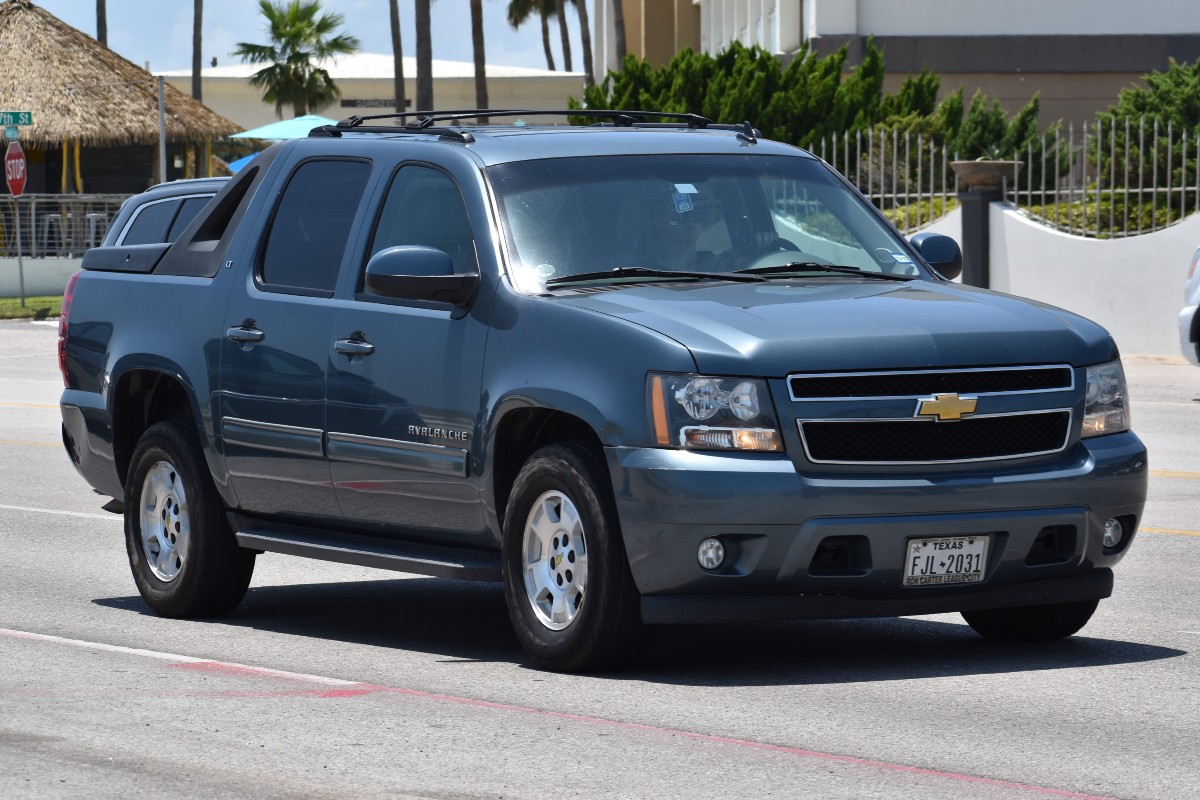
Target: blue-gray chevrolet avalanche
<point>649,370</point>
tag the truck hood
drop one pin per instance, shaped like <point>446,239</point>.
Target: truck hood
<point>833,324</point>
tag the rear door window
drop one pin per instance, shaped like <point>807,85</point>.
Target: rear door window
<point>311,225</point>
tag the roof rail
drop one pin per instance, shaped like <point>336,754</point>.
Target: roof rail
<point>424,121</point>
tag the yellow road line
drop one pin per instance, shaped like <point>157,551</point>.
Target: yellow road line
<point>1174,473</point>
<point>1148,529</point>
<point>27,405</point>
<point>32,444</point>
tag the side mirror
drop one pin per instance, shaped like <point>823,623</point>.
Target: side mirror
<point>940,252</point>
<point>415,272</point>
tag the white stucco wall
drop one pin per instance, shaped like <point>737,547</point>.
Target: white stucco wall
<point>1016,17</point>
<point>43,276</point>
<point>1133,287</point>
<point>726,20</point>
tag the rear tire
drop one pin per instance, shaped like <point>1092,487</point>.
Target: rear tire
<point>1032,623</point>
<point>567,584</point>
<point>182,552</point>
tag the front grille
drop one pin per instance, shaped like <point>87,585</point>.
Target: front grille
<point>917,441</point>
<point>919,384</point>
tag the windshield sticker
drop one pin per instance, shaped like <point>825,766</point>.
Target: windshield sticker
<point>686,188</point>
<point>544,270</point>
<point>683,202</point>
<point>901,258</point>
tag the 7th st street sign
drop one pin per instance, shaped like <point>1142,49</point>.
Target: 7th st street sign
<point>14,168</point>
<point>16,117</point>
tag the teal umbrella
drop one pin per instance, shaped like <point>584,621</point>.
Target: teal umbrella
<point>296,128</point>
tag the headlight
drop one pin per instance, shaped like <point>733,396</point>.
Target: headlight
<point>1105,409</point>
<point>698,412</point>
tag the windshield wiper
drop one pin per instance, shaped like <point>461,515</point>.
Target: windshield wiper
<point>814,266</point>
<point>650,272</point>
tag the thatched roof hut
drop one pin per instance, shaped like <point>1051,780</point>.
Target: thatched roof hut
<point>95,114</point>
<point>80,90</point>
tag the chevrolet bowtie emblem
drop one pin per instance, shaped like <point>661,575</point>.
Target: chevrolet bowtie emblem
<point>946,407</point>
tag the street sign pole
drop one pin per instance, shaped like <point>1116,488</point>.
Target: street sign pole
<point>20,261</point>
<point>14,174</point>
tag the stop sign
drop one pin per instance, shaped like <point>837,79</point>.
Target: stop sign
<point>14,168</point>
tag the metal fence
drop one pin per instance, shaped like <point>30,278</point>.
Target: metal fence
<point>907,177</point>
<point>1110,178</point>
<point>56,225</point>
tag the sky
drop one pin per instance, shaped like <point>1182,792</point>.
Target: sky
<point>160,31</point>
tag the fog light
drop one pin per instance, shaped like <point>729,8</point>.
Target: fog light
<point>711,553</point>
<point>1113,533</point>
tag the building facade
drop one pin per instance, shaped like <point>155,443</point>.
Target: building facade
<point>366,83</point>
<point>1078,54</point>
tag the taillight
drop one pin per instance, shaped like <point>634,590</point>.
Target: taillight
<point>68,296</point>
<point>1195,261</point>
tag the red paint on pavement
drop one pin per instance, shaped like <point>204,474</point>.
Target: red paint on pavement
<point>360,689</point>
<point>352,689</point>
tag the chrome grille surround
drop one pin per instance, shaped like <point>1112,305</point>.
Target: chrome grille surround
<point>848,433</point>
<point>1054,377</point>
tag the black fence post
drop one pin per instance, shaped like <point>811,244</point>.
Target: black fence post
<point>976,205</point>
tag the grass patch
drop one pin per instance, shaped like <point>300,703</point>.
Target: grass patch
<point>35,307</point>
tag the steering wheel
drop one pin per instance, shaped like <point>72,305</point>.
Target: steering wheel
<point>774,254</point>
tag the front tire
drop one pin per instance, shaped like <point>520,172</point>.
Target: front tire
<point>567,584</point>
<point>182,552</point>
<point>1032,623</point>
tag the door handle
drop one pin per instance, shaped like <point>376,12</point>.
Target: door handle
<point>353,347</point>
<point>245,335</point>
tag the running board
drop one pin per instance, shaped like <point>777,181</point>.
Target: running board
<point>370,551</point>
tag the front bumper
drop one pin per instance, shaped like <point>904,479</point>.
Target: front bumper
<point>776,523</point>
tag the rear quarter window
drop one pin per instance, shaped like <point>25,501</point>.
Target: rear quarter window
<point>187,212</point>
<point>151,223</point>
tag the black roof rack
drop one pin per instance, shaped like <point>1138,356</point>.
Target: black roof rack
<point>424,121</point>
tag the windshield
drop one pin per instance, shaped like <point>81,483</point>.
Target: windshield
<point>687,214</point>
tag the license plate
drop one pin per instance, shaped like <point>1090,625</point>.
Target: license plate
<point>945,559</point>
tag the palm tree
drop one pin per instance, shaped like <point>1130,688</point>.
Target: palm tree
<point>102,22</point>
<point>618,9</point>
<point>397,58</point>
<point>520,10</point>
<point>299,39</point>
<point>198,150</point>
<point>481,98</point>
<point>560,9</point>
<point>424,58</point>
<point>197,26</point>
<point>586,34</point>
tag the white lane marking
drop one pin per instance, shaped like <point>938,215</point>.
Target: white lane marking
<point>60,513</point>
<point>53,322</point>
<point>173,657</point>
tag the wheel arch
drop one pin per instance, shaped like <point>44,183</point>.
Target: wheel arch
<point>140,397</point>
<point>521,431</point>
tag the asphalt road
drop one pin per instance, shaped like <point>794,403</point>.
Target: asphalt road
<point>338,681</point>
